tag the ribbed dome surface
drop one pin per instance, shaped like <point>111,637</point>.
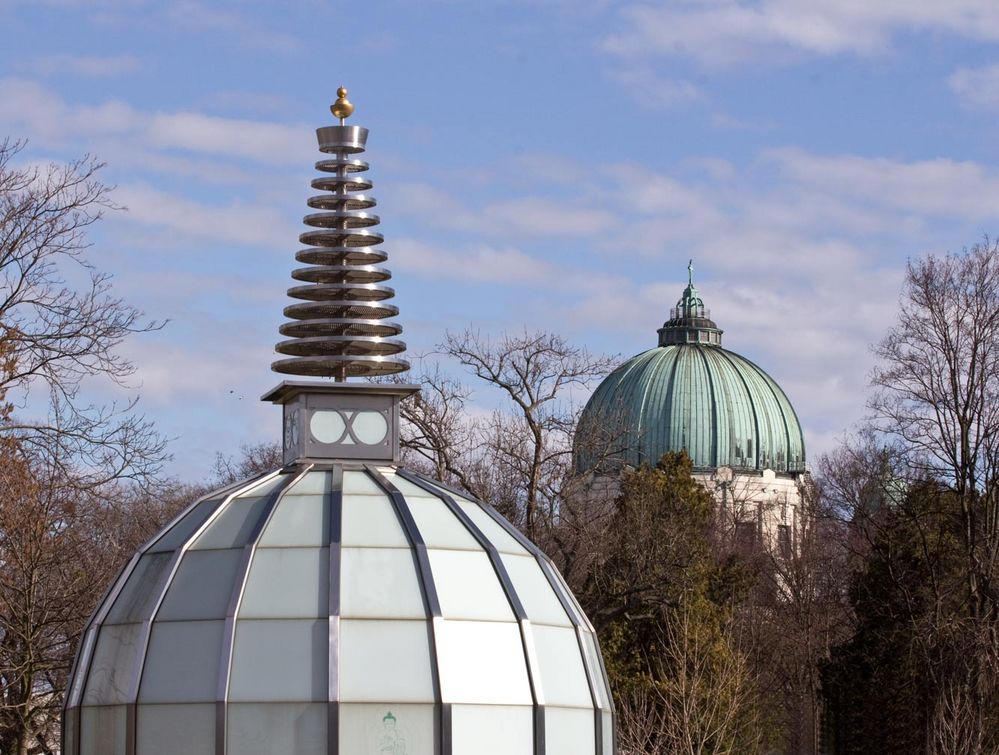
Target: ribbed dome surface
<point>720,407</point>
<point>330,609</point>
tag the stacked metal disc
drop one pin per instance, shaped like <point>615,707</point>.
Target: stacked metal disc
<point>340,328</point>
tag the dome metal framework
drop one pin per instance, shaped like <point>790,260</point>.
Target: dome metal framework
<point>345,609</point>
<point>690,393</point>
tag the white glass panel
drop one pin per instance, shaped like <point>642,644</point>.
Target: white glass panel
<point>264,488</point>
<point>482,662</point>
<point>143,588</point>
<point>596,672</point>
<point>387,729</point>
<point>202,587</point>
<point>385,660</point>
<point>535,593</point>
<point>327,426</point>
<point>578,609</point>
<point>371,520</point>
<point>273,729</point>
<point>233,527</point>
<point>282,660</point>
<point>563,678</point>
<point>102,731</point>
<point>182,662</point>
<point>408,489</point>
<point>502,540</point>
<point>380,583</point>
<point>370,427</point>
<point>312,484</point>
<point>288,583</point>
<point>608,720</point>
<point>88,641</point>
<point>180,532</point>
<point>468,587</point>
<point>493,730</point>
<point>298,520</point>
<point>569,731</point>
<point>358,483</point>
<point>173,729</point>
<point>114,662</point>
<point>438,526</point>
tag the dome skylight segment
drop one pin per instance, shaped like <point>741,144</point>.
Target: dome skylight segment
<point>367,604</point>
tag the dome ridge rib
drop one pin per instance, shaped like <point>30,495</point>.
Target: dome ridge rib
<point>673,366</point>
<point>640,425</point>
<point>530,661</point>
<point>780,408</point>
<point>225,671</point>
<point>228,495</point>
<point>783,404</point>
<point>714,407</point>
<point>752,405</point>
<point>334,605</point>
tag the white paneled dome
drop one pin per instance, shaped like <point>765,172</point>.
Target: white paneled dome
<point>339,609</point>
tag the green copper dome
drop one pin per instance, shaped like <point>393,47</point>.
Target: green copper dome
<point>690,393</point>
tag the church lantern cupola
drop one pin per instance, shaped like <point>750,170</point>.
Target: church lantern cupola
<point>690,321</point>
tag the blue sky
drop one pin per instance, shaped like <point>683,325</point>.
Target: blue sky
<point>548,164</point>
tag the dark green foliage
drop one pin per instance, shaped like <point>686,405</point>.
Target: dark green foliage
<point>663,604</point>
<point>912,617</point>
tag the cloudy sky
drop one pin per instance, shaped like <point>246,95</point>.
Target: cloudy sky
<point>549,164</point>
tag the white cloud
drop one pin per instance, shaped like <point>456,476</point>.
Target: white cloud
<point>241,27</point>
<point>656,194</point>
<point>939,187</point>
<point>196,132</point>
<point>478,263</point>
<point>725,32</point>
<point>654,91</point>
<point>258,225</point>
<point>535,216</point>
<point>977,87</point>
<point>541,216</point>
<point>31,108</point>
<point>83,65</point>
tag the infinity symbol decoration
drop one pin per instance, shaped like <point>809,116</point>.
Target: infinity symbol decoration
<point>348,427</point>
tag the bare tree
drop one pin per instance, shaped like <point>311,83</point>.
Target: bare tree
<point>937,398</point>
<point>253,459</point>
<point>63,324</point>
<point>798,614</point>
<point>438,435</point>
<point>641,720</point>
<point>531,447</point>
<point>708,689</point>
<point>956,726</point>
<point>59,547</point>
<point>937,392</point>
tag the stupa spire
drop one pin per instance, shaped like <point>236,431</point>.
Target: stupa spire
<point>341,328</point>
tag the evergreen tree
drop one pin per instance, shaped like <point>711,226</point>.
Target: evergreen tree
<point>664,604</point>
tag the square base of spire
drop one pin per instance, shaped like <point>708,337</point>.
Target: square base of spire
<point>340,421</point>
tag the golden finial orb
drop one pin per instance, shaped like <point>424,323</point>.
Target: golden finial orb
<point>342,108</point>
